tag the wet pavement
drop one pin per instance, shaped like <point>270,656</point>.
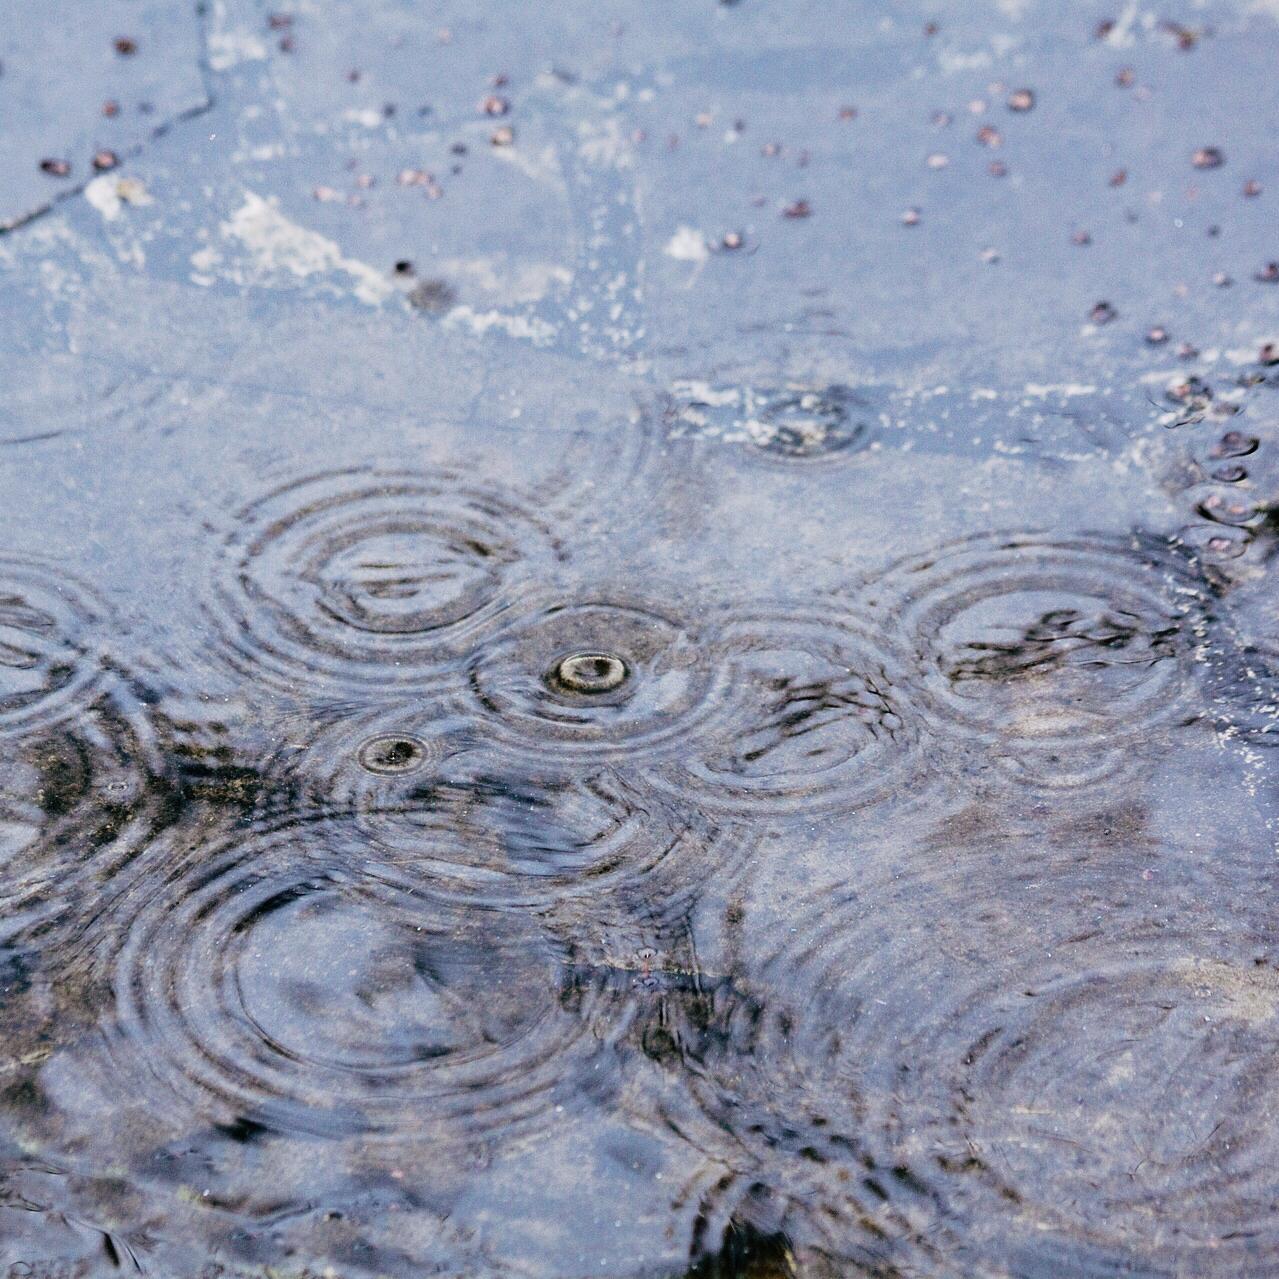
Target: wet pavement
<point>639,640</point>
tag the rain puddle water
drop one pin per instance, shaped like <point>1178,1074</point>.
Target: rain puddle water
<point>733,739</point>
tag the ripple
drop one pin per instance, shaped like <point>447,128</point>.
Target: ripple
<point>78,803</point>
<point>276,977</point>
<point>1048,645</point>
<point>588,848</point>
<point>672,686</point>
<point>787,425</point>
<point>49,661</point>
<point>1102,1103</point>
<point>820,719</point>
<point>352,761</point>
<point>364,578</point>
<point>1038,1050</point>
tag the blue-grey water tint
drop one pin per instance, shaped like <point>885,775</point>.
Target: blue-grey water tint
<point>639,640</point>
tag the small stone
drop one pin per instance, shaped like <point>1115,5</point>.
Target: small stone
<point>503,136</point>
<point>937,160</point>
<point>1157,336</point>
<point>1252,188</point>
<point>798,209</point>
<point>125,46</point>
<point>911,217</point>
<point>1103,313</point>
<point>104,160</point>
<point>494,105</point>
<point>732,240</point>
<point>56,168</point>
<point>989,136</point>
<point>1021,100</point>
<point>1269,274</point>
<point>1208,158</point>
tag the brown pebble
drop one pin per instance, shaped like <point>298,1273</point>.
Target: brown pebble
<point>1081,238</point>
<point>798,209</point>
<point>732,240</point>
<point>848,113</point>
<point>279,21</point>
<point>1102,313</point>
<point>1157,336</point>
<point>1119,177</point>
<point>1187,352</point>
<point>494,105</point>
<point>104,160</point>
<point>1021,100</point>
<point>1208,158</point>
<point>55,168</point>
<point>1252,188</point>
<point>997,169</point>
<point>1124,77</point>
<point>1269,353</point>
<point>1234,444</point>
<point>989,136</point>
<point>911,217</point>
<point>125,46</point>
<point>1103,28</point>
<point>503,136</point>
<point>1186,38</point>
<point>1269,274</point>
<point>110,108</point>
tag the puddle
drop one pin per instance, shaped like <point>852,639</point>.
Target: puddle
<point>580,696</point>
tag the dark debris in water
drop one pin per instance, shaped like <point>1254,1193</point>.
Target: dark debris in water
<point>613,665</point>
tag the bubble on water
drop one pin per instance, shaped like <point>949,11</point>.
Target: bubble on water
<point>672,683</point>
<point>588,673</point>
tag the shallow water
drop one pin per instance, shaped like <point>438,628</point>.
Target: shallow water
<point>686,690</point>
